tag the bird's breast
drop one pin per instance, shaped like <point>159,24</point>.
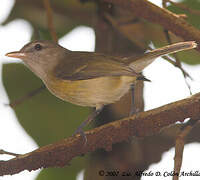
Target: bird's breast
<point>91,92</point>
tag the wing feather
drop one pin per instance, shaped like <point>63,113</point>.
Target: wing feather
<point>86,65</point>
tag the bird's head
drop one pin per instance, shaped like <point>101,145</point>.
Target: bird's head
<point>40,56</point>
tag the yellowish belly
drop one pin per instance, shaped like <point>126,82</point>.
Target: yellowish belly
<point>91,92</point>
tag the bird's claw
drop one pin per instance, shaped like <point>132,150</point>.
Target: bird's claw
<point>82,134</point>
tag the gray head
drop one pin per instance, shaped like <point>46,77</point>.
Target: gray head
<point>40,56</point>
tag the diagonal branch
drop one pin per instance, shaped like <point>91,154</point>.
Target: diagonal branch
<point>178,62</point>
<point>8,153</point>
<point>170,21</point>
<point>140,125</point>
<point>26,97</point>
<point>50,20</point>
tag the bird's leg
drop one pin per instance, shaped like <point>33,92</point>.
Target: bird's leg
<point>91,117</point>
<point>132,111</point>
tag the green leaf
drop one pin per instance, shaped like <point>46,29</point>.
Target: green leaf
<point>44,117</point>
<point>192,56</point>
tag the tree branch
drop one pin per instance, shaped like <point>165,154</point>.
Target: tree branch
<point>170,21</point>
<point>8,153</point>
<point>179,147</point>
<point>50,20</point>
<point>140,125</point>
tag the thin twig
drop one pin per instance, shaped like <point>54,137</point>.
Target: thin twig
<point>8,153</point>
<point>173,63</point>
<point>182,70</point>
<point>179,147</point>
<point>26,97</point>
<point>178,62</point>
<point>50,20</point>
<point>164,3</point>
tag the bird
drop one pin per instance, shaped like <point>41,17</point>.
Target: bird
<point>88,78</point>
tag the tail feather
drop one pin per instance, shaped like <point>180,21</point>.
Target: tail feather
<point>139,64</point>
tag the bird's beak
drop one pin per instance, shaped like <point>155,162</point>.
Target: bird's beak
<point>16,54</point>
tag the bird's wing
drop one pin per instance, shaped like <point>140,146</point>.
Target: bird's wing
<point>89,65</point>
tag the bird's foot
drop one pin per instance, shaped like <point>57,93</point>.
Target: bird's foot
<point>80,131</point>
<point>134,111</point>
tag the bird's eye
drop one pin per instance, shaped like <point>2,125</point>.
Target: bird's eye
<point>38,47</point>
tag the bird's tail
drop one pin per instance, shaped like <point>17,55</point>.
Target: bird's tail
<point>138,64</point>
